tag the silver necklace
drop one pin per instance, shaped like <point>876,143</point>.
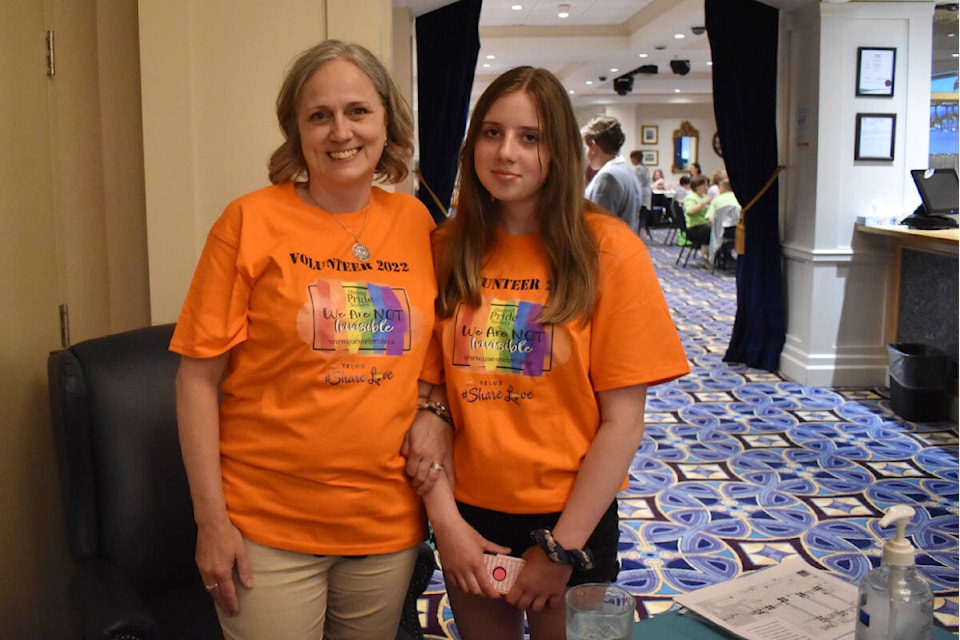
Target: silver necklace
<point>360,251</point>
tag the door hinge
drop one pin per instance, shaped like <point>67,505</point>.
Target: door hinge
<point>64,326</point>
<point>51,66</point>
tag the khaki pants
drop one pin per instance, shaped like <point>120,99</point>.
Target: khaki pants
<point>299,596</point>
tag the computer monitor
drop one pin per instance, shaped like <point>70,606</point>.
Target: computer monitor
<point>938,190</point>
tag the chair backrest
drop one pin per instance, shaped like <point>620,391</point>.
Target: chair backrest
<point>679,219</point>
<point>727,215</point>
<point>126,496</point>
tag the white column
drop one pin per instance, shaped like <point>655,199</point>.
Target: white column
<point>836,282</point>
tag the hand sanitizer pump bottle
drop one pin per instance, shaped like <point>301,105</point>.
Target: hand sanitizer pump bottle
<point>895,602</point>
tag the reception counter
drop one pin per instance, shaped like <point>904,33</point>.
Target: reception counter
<point>942,242</point>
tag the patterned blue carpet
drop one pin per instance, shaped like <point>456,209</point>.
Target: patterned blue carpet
<point>740,468</point>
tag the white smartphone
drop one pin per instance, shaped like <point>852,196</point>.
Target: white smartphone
<point>503,570</point>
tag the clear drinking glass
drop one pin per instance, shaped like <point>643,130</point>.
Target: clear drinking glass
<point>599,612</point>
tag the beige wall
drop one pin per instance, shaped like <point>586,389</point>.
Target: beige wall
<point>121,146</point>
<point>98,167</point>
<point>210,75</point>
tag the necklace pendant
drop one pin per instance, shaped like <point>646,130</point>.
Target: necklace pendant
<point>361,251</point>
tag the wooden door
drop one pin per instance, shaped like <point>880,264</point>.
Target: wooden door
<point>33,553</point>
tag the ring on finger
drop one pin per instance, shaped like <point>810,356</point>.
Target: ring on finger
<point>436,466</point>
<point>212,587</point>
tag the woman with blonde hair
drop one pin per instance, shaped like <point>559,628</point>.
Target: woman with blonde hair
<point>552,325</point>
<point>303,343</point>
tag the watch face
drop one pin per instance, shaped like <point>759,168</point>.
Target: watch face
<point>716,144</point>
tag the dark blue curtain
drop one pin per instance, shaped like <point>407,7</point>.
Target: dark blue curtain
<point>448,43</point>
<point>743,40</point>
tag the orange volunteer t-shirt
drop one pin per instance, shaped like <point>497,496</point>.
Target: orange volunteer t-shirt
<point>325,355</point>
<point>523,393</point>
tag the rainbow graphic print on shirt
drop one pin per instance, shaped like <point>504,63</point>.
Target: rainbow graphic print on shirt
<point>503,336</point>
<point>359,318</point>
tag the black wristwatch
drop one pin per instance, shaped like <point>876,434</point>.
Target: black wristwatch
<point>579,559</point>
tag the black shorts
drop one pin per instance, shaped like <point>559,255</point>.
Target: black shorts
<point>513,530</point>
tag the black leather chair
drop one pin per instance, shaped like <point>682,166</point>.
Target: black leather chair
<point>129,514</point>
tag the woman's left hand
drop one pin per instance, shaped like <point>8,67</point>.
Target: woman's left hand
<point>541,583</point>
<point>427,446</point>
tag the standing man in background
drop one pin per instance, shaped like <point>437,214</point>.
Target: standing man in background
<point>615,187</point>
<point>646,188</point>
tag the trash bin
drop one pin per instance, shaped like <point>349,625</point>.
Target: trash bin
<point>918,376</point>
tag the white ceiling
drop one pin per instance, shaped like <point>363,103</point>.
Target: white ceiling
<point>599,35</point>
<point>603,39</point>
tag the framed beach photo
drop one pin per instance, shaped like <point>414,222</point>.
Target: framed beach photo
<point>649,134</point>
<point>650,157</point>
<point>875,69</point>
<point>875,136</point>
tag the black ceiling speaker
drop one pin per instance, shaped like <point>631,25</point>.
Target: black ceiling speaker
<point>623,85</point>
<point>680,67</point>
<point>647,68</point>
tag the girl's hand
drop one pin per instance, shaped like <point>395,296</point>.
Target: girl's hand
<point>541,583</point>
<point>461,558</point>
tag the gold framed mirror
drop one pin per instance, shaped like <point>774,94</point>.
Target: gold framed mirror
<point>686,142</point>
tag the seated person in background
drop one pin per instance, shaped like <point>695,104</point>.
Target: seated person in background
<point>695,206</point>
<point>715,179</point>
<point>615,187</point>
<point>658,182</point>
<point>724,212</point>
<point>695,170</point>
<point>724,198</point>
<point>681,191</point>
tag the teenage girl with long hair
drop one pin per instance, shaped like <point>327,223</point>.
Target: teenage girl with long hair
<point>552,325</point>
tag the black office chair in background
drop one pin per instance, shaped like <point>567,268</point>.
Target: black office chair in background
<point>687,246</point>
<point>127,502</point>
<point>669,217</point>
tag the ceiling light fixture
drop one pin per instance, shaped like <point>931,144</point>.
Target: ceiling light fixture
<point>644,55</point>
<point>563,10</point>
<point>679,36</point>
<point>516,7</point>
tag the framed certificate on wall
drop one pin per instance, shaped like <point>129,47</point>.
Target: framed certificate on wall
<point>875,69</point>
<point>875,136</point>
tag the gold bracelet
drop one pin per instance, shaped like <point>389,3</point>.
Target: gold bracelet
<point>438,409</point>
